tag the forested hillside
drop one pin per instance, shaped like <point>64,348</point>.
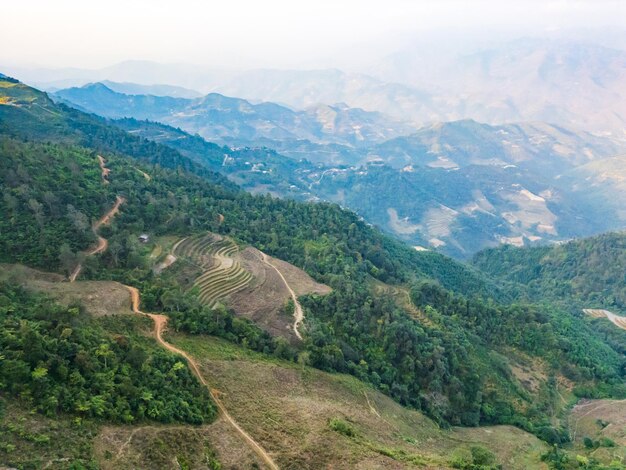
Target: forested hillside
<point>447,348</point>
<point>59,360</point>
<point>586,273</point>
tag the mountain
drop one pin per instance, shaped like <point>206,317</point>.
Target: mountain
<point>537,146</point>
<point>584,276</point>
<point>430,333</point>
<point>455,187</point>
<point>584,273</point>
<point>155,90</point>
<point>220,118</point>
<point>602,181</point>
<point>560,81</point>
<point>567,82</point>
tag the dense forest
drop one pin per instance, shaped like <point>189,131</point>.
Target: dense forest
<point>586,273</point>
<point>57,359</point>
<point>445,353</point>
<point>459,354</point>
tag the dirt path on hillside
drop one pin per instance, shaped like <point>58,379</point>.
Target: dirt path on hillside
<point>144,174</point>
<point>102,242</point>
<point>105,171</point>
<point>298,313</point>
<point>160,323</point>
<point>618,321</point>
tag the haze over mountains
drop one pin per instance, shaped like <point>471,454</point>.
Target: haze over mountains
<point>560,81</point>
<point>457,187</point>
<point>218,118</point>
<point>307,235</point>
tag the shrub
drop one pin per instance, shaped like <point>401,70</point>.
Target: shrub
<point>342,427</point>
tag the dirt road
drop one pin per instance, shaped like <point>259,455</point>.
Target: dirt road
<point>298,313</point>
<point>104,169</point>
<point>160,322</point>
<point>618,321</point>
<point>102,242</point>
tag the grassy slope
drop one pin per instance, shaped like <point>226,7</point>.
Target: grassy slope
<point>598,419</point>
<point>289,408</point>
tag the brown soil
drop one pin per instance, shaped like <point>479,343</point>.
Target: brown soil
<point>618,321</point>
<point>298,313</point>
<point>160,322</point>
<point>263,300</point>
<point>104,169</point>
<point>299,280</point>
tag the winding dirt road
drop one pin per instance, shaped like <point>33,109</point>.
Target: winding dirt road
<point>102,242</point>
<point>160,323</point>
<point>298,313</point>
<point>104,169</point>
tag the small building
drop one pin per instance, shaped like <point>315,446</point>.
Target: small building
<point>144,238</point>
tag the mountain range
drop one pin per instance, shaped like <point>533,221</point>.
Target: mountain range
<point>457,187</point>
<point>568,82</point>
<point>216,117</point>
<point>298,335</point>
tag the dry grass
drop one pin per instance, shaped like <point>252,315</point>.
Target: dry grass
<point>287,409</point>
<point>597,419</point>
<point>97,297</point>
<point>171,447</point>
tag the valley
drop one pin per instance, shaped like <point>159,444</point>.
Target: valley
<point>460,186</point>
<point>392,267</point>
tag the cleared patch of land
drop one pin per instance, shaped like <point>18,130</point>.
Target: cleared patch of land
<point>222,273</point>
<point>254,285</point>
<point>97,297</point>
<point>618,321</point>
<point>602,421</point>
<point>171,447</point>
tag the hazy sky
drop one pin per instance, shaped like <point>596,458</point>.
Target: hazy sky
<point>268,33</point>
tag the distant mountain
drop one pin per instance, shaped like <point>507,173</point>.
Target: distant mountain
<point>457,187</point>
<point>224,119</point>
<point>534,145</point>
<point>304,88</point>
<point>564,82</point>
<point>155,90</point>
<point>458,210</point>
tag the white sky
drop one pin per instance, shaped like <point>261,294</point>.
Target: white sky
<point>267,33</point>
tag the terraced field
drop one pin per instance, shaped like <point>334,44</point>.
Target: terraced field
<point>222,274</point>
